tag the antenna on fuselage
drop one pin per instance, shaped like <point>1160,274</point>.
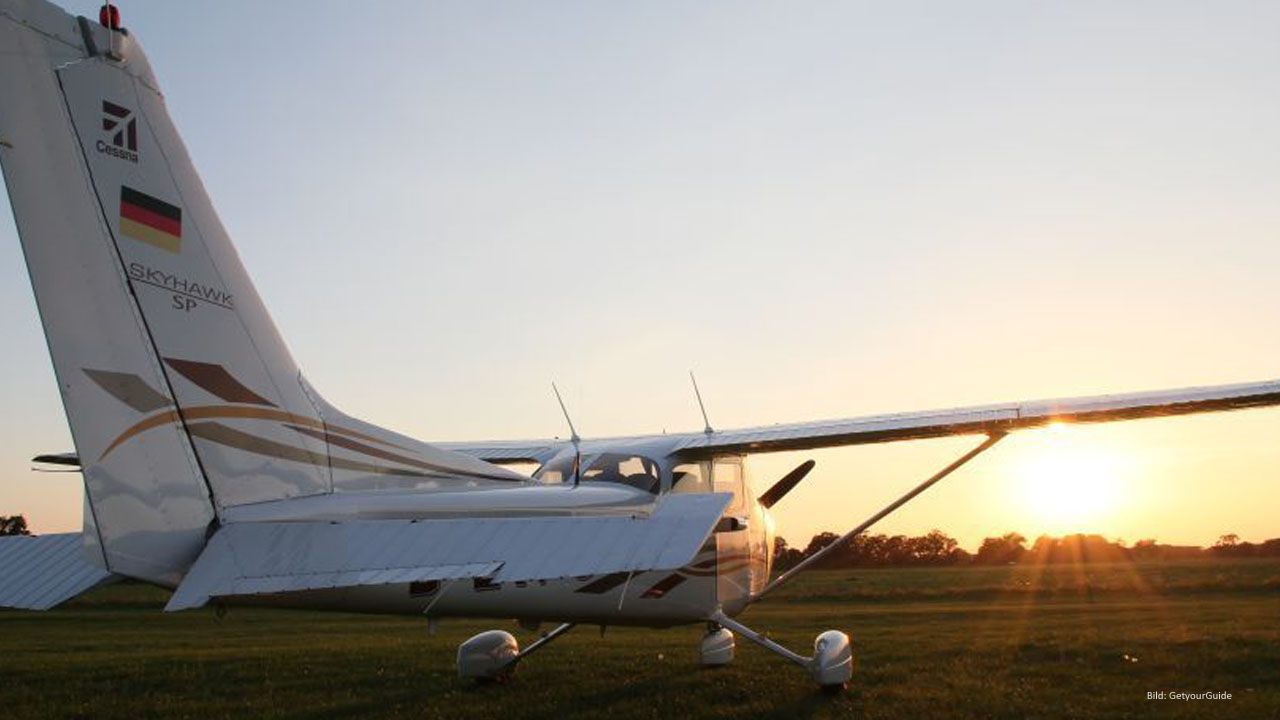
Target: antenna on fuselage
<point>698,394</point>
<point>573,437</point>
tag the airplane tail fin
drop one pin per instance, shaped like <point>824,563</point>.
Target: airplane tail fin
<point>181,395</point>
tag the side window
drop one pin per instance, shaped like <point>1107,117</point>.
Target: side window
<point>726,476</point>
<point>638,472</point>
<point>559,470</point>
<point>690,478</point>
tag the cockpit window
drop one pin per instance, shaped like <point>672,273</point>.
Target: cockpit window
<point>638,472</point>
<point>559,470</point>
<point>726,477</point>
<point>690,478</point>
<point>635,470</point>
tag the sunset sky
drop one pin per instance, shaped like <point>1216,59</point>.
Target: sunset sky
<point>823,209</point>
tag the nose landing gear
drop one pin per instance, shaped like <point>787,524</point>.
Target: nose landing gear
<point>716,648</point>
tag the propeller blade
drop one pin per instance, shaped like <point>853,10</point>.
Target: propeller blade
<point>786,484</point>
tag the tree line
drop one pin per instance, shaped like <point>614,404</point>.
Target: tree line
<point>936,548</point>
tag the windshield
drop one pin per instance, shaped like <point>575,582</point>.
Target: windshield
<point>635,470</point>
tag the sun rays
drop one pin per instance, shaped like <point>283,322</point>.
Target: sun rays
<point>1063,482</point>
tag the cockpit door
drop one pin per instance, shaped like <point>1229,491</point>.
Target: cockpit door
<point>734,564</point>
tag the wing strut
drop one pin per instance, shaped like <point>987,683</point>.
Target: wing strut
<point>545,639</point>
<point>785,577</point>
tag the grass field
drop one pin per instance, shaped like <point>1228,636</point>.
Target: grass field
<point>930,643</point>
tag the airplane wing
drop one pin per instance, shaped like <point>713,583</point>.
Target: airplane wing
<point>980,420</point>
<point>279,557</point>
<point>501,452</point>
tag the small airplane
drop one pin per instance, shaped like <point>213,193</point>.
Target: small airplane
<point>213,468</point>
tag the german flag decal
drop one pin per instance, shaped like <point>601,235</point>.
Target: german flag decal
<point>151,220</point>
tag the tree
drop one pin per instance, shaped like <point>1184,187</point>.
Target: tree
<point>13,525</point>
<point>820,541</point>
<point>896,551</point>
<point>780,547</point>
<point>936,548</point>
<point>1076,549</point>
<point>1147,549</point>
<point>785,557</point>
<point>1008,548</point>
<point>1229,545</point>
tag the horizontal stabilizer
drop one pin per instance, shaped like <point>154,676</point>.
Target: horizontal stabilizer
<point>66,459</point>
<point>38,572</point>
<point>276,557</point>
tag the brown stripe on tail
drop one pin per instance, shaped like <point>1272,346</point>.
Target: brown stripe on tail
<point>230,437</point>
<point>216,380</point>
<point>205,412</point>
<point>129,389</point>
<point>352,445</point>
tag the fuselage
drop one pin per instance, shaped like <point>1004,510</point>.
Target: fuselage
<point>597,478</point>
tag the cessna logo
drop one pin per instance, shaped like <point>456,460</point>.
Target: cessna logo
<point>121,129</point>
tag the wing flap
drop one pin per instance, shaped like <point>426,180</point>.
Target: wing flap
<point>274,557</point>
<point>38,572</point>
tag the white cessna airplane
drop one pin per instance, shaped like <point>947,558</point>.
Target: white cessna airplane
<point>212,467</point>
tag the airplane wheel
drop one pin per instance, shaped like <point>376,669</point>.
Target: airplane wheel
<point>716,648</point>
<point>491,680</point>
<point>832,664</point>
<point>488,658</point>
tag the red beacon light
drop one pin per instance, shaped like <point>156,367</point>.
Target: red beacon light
<point>109,16</point>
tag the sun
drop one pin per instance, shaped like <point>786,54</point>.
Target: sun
<point>1068,484</point>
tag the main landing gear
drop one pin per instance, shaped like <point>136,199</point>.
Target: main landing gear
<point>831,665</point>
<point>492,655</point>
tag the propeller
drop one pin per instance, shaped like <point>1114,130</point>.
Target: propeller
<point>786,484</point>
